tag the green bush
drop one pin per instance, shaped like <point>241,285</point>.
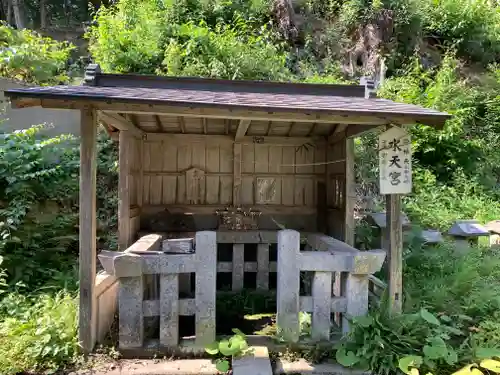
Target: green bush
<point>28,57</point>
<point>378,341</point>
<point>37,333</point>
<point>487,333</point>
<point>453,283</point>
<point>219,39</point>
<point>39,203</point>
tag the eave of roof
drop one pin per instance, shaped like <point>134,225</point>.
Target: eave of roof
<point>343,100</point>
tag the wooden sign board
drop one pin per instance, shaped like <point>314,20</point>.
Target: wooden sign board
<point>394,151</point>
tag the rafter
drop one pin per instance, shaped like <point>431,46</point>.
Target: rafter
<point>242,129</point>
<point>119,122</point>
<point>158,123</point>
<point>339,128</point>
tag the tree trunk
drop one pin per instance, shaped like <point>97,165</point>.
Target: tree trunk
<point>43,14</point>
<point>17,7</point>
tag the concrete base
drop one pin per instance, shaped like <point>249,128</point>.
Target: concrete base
<point>303,367</point>
<point>256,362</point>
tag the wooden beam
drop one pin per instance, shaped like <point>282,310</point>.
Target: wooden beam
<point>312,130</point>
<point>290,131</point>
<point>350,193</point>
<point>395,252</point>
<point>25,103</point>
<point>339,117</point>
<point>242,129</point>
<point>158,123</point>
<point>351,131</point>
<point>227,126</point>
<point>124,148</point>
<point>226,139</point>
<point>339,128</point>
<point>87,259</point>
<point>236,174</point>
<point>204,125</point>
<point>209,209</point>
<point>120,122</point>
<point>182,124</point>
<point>269,123</point>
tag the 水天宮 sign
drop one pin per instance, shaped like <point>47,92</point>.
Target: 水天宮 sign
<point>394,150</point>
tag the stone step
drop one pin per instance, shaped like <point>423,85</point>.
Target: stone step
<point>155,367</point>
<point>256,362</point>
<point>303,367</point>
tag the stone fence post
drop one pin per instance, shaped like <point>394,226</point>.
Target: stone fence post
<point>329,256</point>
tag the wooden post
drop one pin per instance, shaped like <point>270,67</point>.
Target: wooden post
<point>124,149</point>
<point>140,175</point>
<point>395,252</point>
<point>88,254</point>
<point>236,174</point>
<point>350,193</point>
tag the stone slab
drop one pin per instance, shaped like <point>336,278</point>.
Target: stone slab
<point>154,367</point>
<point>303,367</point>
<point>256,362</point>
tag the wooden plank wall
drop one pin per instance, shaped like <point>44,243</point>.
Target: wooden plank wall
<point>336,189</point>
<point>201,173</point>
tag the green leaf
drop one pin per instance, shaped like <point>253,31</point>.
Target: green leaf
<point>363,321</point>
<point>435,352</point>
<point>236,331</point>
<point>487,353</point>
<point>346,358</point>
<point>452,357</point>
<point>222,365</point>
<point>445,318</point>
<point>227,349</point>
<point>408,362</point>
<point>428,317</point>
<point>213,348</point>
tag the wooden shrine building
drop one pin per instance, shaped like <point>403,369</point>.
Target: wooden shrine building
<point>204,154</point>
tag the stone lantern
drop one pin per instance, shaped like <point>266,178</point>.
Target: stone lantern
<point>379,219</point>
<point>466,233</point>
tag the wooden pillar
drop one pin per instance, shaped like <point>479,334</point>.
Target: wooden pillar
<point>349,193</point>
<point>140,175</point>
<point>87,260</point>
<point>124,149</point>
<point>236,174</point>
<point>395,252</point>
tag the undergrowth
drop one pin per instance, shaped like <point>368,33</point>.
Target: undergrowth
<point>39,246</point>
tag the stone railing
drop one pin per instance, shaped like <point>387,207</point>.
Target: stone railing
<point>376,288</point>
<point>328,257</point>
<point>325,257</point>
<point>130,268</point>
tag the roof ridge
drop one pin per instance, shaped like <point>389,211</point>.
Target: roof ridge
<point>95,77</point>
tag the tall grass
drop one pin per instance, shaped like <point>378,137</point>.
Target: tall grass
<point>38,333</point>
<point>452,282</point>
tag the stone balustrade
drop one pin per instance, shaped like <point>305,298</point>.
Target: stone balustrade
<point>324,256</point>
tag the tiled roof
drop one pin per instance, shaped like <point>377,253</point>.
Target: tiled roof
<point>265,96</point>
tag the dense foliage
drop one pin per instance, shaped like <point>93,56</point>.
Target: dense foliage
<point>440,54</point>
<point>39,245</point>
<point>31,58</point>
